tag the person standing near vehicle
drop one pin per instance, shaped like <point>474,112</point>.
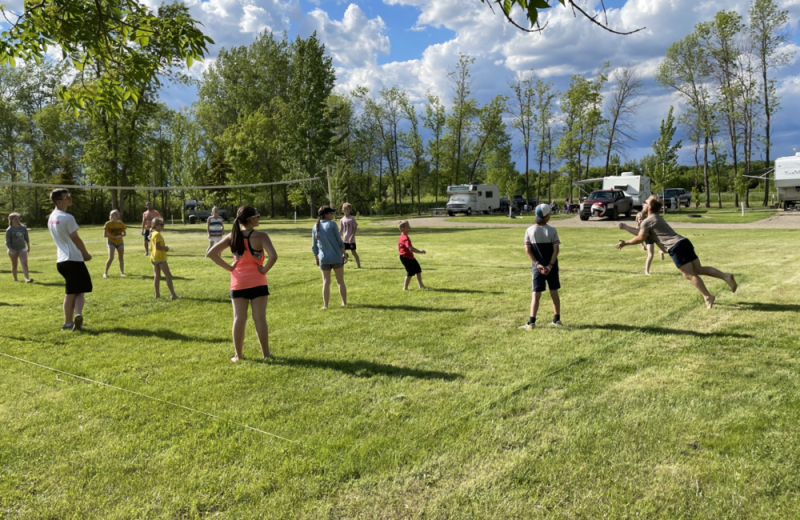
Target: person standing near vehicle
<point>147,224</point>
<point>680,249</point>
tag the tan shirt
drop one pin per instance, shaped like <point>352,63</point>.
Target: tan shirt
<point>658,229</point>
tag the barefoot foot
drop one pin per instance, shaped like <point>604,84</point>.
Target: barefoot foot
<point>710,302</point>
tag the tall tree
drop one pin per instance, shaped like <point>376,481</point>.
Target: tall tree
<point>464,110</point>
<point>665,152</point>
<point>768,31</point>
<point>622,108</point>
<point>434,120</point>
<point>523,113</point>
<point>543,106</point>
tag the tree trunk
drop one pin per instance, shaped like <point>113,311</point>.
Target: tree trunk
<point>705,172</point>
<point>716,167</point>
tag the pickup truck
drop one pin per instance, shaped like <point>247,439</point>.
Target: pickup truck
<point>684,197</point>
<point>606,203</point>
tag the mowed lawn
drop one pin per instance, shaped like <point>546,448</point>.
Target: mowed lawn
<point>410,405</point>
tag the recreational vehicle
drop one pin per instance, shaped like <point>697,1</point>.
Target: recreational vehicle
<point>787,180</point>
<point>469,198</point>
<point>637,187</point>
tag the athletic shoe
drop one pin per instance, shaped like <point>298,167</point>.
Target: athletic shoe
<point>78,323</point>
<point>528,326</point>
<point>29,280</point>
<point>555,323</point>
<point>67,326</point>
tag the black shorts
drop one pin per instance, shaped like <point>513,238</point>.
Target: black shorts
<point>76,277</point>
<point>411,265</point>
<point>251,293</point>
<point>649,241</point>
<point>542,281</point>
<point>146,235</point>
<point>682,253</point>
<point>350,247</point>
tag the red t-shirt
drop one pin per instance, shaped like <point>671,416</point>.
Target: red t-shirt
<point>404,246</point>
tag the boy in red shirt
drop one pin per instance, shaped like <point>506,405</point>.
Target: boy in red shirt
<point>407,256</point>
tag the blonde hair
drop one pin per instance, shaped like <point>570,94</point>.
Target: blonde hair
<point>12,215</point>
<point>158,221</point>
<point>347,205</point>
<point>402,224</point>
<point>655,204</point>
<point>111,215</point>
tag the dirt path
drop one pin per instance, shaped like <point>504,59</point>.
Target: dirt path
<point>777,221</point>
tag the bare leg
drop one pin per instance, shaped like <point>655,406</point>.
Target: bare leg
<point>110,260</point>
<point>716,273</point>
<point>259,310</point>
<point>210,245</point>
<point>23,259</point>
<point>688,272</point>
<point>649,261</point>
<point>535,303</point>
<point>239,323</point>
<point>157,280</point>
<point>80,301</point>
<point>121,252</point>
<point>326,288</point>
<point>358,260</point>
<point>168,278</point>
<point>405,283</point>
<point>342,287</point>
<point>69,308</point>
<point>419,281</point>
<point>146,248</point>
<point>14,256</point>
<point>556,302</point>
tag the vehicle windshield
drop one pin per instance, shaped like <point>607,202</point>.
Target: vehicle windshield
<point>670,193</point>
<point>599,195</point>
<point>459,198</point>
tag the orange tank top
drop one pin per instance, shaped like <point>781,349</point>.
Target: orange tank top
<point>246,274</point>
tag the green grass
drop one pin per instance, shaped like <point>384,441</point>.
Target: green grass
<point>714,215</point>
<point>503,219</point>
<point>405,405</point>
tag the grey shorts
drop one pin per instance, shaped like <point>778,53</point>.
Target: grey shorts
<point>159,263</point>
<point>328,267</point>
<point>115,246</point>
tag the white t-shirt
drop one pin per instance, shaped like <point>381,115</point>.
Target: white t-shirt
<point>61,226</point>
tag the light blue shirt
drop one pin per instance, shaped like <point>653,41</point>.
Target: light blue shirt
<point>328,244</point>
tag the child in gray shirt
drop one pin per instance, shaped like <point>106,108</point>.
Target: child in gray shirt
<point>18,245</point>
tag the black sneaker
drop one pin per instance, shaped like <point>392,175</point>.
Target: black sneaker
<point>78,325</point>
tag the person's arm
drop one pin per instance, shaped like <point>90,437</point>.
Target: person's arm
<point>419,251</point>
<point>27,240</point>
<point>8,238</point>
<point>630,229</point>
<point>105,233</point>
<point>314,245</point>
<point>208,226</point>
<point>638,239</point>
<point>81,247</point>
<point>355,229</point>
<point>272,255</point>
<point>144,220</point>
<point>215,254</point>
<point>161,245</point>
<point>554,258</point>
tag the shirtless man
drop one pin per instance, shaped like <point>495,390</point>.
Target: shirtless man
<point>680,249</point>
<point>147,223</point>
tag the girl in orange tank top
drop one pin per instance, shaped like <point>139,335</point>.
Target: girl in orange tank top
<point>246,273</point>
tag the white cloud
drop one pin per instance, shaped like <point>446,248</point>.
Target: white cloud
<point>355,41</point>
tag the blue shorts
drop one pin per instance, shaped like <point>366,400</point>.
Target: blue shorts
<point>147,235</point>
<point>543,281</point>
<point>116,246</point>
<point>682,253</point>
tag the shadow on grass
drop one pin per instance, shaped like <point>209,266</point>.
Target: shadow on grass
<point>411,308</point>
<point>462,291</point>
<point>153,333</point>
<point>4,304</point>
<point>143,277</point>
<point>764,307</point>
<point>207,300</point>
<point>616,327</point>
<point>367,368</point>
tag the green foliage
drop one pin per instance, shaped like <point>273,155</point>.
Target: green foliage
<point>118,47</point>
<point>665,157</point>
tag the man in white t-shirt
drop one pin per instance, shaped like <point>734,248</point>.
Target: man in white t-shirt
<point>71,257</point>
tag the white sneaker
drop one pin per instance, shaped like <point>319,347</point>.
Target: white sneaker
<point>528,326</point>
<point>555,323</point>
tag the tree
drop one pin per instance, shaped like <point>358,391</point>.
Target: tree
<point>531,9</point>
<point>545,97</point>
<point>464,110</point>
<point>628,84</point>
<point>414,148</point>
<point>491,128</point>
<point>434,120</point>
<point>768,31</point>
<point>665,156</point>
<point>123,39</point>
<point>522,108</point>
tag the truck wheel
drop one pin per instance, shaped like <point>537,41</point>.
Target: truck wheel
<point>628,213</point>
<point>450,213</point>
<point>192,219</point>
<point>584,217</point>
<point>469,212</point>
<point>612,215</point>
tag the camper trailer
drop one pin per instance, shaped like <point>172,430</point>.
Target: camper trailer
<point>787,180</point>
<point>473,198</point>
<point>637,187</point>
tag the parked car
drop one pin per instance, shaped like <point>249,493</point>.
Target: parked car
<point>684,197</point>
<point>606,203</point>
<point>195,211</point>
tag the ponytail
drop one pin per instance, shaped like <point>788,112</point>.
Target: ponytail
<point>321,212</point>
<point>244,214</point>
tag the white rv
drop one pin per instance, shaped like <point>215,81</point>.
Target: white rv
<point>787,180</point>
<point>471,198</point>
<point>637,187</point>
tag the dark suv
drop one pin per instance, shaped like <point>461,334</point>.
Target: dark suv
<point>684,197</point>
<point>606,203</point>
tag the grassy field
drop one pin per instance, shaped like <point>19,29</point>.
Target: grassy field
<point>714,215</point>
<point>425,404</point>
<point>503,219</point>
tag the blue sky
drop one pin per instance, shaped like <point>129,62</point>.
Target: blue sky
<point>413,43</point>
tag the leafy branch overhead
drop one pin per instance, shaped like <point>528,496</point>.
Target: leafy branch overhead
<point>118,47</point>
<point>531,8</point>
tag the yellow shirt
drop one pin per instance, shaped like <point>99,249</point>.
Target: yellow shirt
<point>115,228</point>
<point>155,254</point>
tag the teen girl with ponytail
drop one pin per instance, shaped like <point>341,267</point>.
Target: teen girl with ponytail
<point>329,253</point>
<point>249,287</point>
